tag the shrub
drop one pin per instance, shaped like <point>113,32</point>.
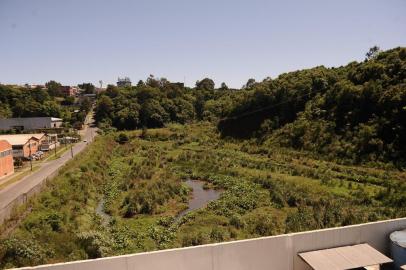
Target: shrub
<point>122,138</point>
<point>94,243</point>
<point>16,252</point>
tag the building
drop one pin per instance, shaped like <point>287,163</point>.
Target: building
<point>24,145</point>
<point>47,142</point>
<point>177,84</point>
<point>69,91</point>
<point>30,123</point>
<point>123,82</point>
<point>34,86</point>
<point>6,159</point>
<point>99,90</point>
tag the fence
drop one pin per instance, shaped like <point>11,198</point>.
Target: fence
<point>8,210</point>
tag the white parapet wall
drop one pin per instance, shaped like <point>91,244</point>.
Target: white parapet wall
<point>266,253</point>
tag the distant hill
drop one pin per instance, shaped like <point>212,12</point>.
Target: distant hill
<point>355,112</point>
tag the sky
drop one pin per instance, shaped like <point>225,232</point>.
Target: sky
<point>75,41</point>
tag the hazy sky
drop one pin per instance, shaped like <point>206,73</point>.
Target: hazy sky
<point>75,41</point>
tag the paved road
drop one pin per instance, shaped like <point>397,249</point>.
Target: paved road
<point>11,192</point>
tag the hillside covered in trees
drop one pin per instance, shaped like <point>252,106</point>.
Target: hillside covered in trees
<point>19,101</point>
<point>353,113</point>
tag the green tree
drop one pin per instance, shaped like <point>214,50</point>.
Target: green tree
<point>224,86</point>
<point>372,53</point>
<point>54,88</point>
<point>250,83</point>
<point>88,88</point>
<point>104,108</point>
<point>205,84</point>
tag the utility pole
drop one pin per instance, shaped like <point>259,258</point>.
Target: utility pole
<point>71,150</point>
<point>55,146</point>
<point>29,145</point>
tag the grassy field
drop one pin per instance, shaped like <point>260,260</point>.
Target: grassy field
<point>139,183</point>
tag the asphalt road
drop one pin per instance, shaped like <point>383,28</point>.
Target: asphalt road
<point>12,191</point>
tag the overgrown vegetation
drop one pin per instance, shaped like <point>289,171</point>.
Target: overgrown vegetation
<point>138,177</point>
<point>351,114</point>
<point>310,149</point>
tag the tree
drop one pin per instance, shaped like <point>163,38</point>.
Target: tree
<point>85,105</point>
<point>54,88</point>
<point>224,86</point>
<point>40,95</point>
<point>104,108</point>
<point>140,83</point>
<point>372,53</point>
<point>151,81</point>
<point>112,91</point>
<point>205,84</point>
<point>88,88</point>
<point>68,101</point>
<point>250,83</point>
<point>122,138</point>
<point>153,114</point>
<point>5,111</point>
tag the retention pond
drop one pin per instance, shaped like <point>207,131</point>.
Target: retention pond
<point>200,196</point>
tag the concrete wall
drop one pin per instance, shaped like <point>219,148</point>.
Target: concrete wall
<point>267,253</point>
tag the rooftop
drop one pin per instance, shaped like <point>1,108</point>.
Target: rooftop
<point>54,119</point>
<point>4,145</point>
<point>21,139</point>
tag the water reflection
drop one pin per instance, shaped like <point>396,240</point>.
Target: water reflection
<point>200,196</point>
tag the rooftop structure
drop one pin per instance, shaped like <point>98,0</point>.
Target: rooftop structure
<point>347,257</point>
<point>30,123</point>
<point>123,82</point>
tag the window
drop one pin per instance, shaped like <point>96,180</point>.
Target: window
<point>5,153</point>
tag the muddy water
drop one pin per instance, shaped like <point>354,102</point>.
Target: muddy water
<point>200,196</point>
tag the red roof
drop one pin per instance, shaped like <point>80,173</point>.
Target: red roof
<point>4,145</point>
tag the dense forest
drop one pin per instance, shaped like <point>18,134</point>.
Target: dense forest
<point>354,113</point>
<point>20,101</point>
